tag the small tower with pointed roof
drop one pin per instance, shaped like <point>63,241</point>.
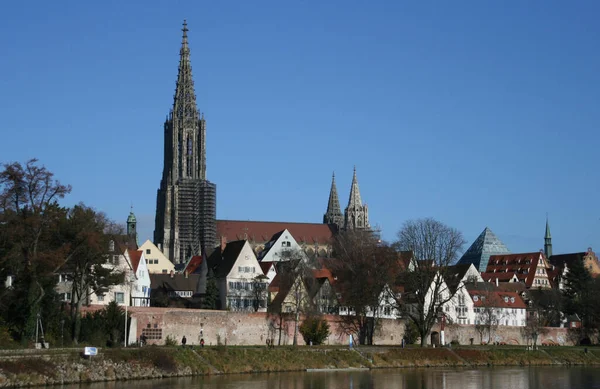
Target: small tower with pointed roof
<point>334,211</point>
<point>547,240</point>
<point>356,214</point>
<point>132,226</point>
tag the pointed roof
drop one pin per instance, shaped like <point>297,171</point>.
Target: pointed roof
<point>486,244</point>
<point>547,236</point>
<point>354,200</point>
<point>184,104</point>
<point>333,206</point>
<point>134,257</point>
<point>131,217</point>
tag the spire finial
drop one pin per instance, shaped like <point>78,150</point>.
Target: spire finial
<point>333,175</point>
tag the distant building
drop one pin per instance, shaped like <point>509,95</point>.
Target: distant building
<point>155,259</point>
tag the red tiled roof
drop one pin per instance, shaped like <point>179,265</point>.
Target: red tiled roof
<point>324,273</point>
<point>266,266</point>
<point>134,257</point>
<point>274,285</point>
<point>523,265</point>
<point>193,264</point>
<point>257,231</point>
<point>496,299</point>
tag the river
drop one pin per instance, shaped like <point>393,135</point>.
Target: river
<point>485,378</point>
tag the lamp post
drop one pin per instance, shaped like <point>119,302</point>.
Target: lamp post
<point>128,280</point>
<point>62,331</point>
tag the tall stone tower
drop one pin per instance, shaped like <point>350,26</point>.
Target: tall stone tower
<point>334,211</point>
<point>186,202</point>
<point>547,240</point>
<point>356,215</point>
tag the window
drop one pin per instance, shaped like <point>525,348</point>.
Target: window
<point>66,296</point>
<point>111,245</point>
<point>148,251</point>
<point>120,297</point>
<point>512,299</point>
<point>100,297</point>
<point>164,270</point>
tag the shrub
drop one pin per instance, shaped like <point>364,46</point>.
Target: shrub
<point>170,341</point>
<point>315,330</point>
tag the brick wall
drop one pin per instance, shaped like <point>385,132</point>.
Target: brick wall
<point>236,328</point>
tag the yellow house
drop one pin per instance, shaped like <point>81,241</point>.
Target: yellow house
<point>155,259</point>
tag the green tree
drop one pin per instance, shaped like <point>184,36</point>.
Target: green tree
<point>212,293</point>
<point>86,235</point>
<point>31,252</point>
<point>314,330</point>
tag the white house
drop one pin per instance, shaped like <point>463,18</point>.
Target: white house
<point>279,248</point>
<point>495,307</point>
<point>140,277</point>
<point>460,308</point>
<point>155,259</point>
<point>236,269</point>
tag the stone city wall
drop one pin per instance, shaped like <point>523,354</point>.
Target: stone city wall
<point>237,328</point>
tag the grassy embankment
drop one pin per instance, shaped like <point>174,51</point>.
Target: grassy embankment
<point>54,366</point>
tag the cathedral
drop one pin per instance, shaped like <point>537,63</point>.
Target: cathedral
<point>186,223</point>
<point>186,201</point>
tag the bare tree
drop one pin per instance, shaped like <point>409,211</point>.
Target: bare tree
<point>487,316</point>
<point>364,267</point>
<point>292,300</point>
<point>435,246</point>
<point>259,292</point>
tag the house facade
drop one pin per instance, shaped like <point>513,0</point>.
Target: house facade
<point>236,269</point>
<point>156,261</point>
<point>281,247</point>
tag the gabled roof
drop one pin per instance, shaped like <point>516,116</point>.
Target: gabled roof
<point>134,256</point>
<point>175,282</point>
<point>270,244</point>
<point>223,263</point>
<point>275,284</point>
<point>266,266</point>
<point>522,265</point>
<point>454,274</point>
<point>486,244</point>
<point>566,259</point>
<point>259,231</point>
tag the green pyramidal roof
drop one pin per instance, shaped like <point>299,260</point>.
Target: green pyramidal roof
<point>130,218</point>
<point>486,244</point>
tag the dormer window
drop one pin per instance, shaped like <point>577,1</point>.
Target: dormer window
<point>505,299</point>
<point>111,245</point>
<point>475,298</point>
<point>512,300</point>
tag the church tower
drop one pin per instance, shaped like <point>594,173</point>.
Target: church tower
<point>131,227</point>
<point>186,202</point>
<point>334,211</point>
<point>547,240</point>
<point>356,215</point>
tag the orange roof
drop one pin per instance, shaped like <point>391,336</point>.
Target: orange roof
<point>257,231</point>
<point>135,256</point>
<point>324,273</point>
<point>193,264</point>
<point>523,265</point>
<point>497,299</point>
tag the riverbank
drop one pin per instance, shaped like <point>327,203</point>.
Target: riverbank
<point>68,366</point>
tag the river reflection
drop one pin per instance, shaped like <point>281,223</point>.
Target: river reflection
<point>505,378</point>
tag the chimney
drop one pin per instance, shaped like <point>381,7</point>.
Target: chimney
<point>160,247</point>
<point>496,281</point>
<point>186,274</point>
<point>223,242</point>
<point>172,274</point>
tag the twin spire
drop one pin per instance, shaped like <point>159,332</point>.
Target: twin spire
<point>356,215</point>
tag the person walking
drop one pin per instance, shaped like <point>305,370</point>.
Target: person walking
<point>183,341</point>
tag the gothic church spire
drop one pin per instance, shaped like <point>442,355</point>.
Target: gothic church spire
<point>356,215</point>
<point>547,240</point>
<point>334,211</point>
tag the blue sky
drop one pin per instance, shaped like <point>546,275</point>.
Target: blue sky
<point>476,113</point>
